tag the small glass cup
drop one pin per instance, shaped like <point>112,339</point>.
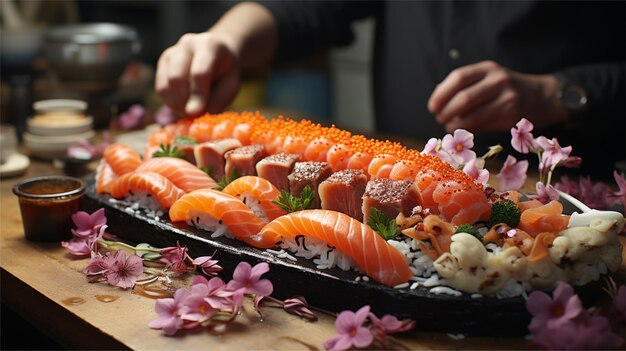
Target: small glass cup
<point>8,142</point>
<point>47,204</point>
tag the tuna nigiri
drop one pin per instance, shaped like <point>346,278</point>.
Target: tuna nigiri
<point>221,209</point>
<point>258,194</point>
<point>122,158</point>
<point>182,173</point>
<point>148,184</point>
<point>381,261</point>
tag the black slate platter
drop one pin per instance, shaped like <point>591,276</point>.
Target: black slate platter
<point>333,290</point>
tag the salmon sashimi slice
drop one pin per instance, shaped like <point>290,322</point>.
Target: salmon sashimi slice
<point>381,166</point>
<point>338,156</point>
<point>317,150</point>
<point>542,243</point>
<point>183,174</point>
<point>546,218</point>
<point>525,205</point>
<point>151,184</point>
<point>404,170</point>
<point>254,192</point>
<point>461,206</point>
<point>104,177</point>
<point>372,254</point>
<point>427,183</point>
<point>122,158</point>
<point>227,210</point>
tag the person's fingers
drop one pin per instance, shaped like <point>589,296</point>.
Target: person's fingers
<point>177,70</point>
<point>474,95</point>
<point>224,91</point>
<point>455,81</point>
<point>161,83</point>
<point>201,74</point>
<point>496,115</point>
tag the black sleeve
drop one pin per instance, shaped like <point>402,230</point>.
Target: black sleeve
<point>604,84</point>
<point>305,27</point>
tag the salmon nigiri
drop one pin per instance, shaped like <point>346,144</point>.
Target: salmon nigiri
<point>122,158</point>
<point>256,192</point>
<point>152,184</point>
<point>104,177</point>
<point>381,261</point>
<point>220,209</point>
<point>182,173</point>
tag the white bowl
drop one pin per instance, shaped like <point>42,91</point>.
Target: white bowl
<point>51,146</point>
<point>59,124</point>
<point>56,105</point>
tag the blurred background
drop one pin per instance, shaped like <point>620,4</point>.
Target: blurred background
<point>42,60</point>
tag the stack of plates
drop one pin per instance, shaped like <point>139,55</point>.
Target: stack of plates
<point>56,125</point>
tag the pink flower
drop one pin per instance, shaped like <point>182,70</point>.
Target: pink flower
<point>198,309</point>
<point>568,186</point>
<point>621,183</point>
<point>573,162</point>
<point>246,278</point>
<point>297,305</point>
<point>84,149</point>
<point>552,154</point>
<point>472,169</point>
<point>88,224</point>
<point>553,312</point>
<point>350,331</point>
<point>512,175</point>
<point>522,139</point>
<point>389,324</point>
<point>208,265</point>
<point>433,147</point>
<point>174,258</point>
<point>170,311</point>
<point>164,116</point>
<point>132,117</point>
<point>84,246</point>
<point>598,195</point>
<point>125,270</point>
<point>459,146</point>
<point>98,267</point>
<point>217,296</point>
<point>545,194</point>
<point>587,332</point>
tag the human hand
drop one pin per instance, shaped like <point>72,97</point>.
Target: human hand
<point>199,73</point>
<point>488,97</point>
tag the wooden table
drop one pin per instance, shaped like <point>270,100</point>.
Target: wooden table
<point>40,281</point>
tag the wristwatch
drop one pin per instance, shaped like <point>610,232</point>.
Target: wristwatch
<point>573,96</point>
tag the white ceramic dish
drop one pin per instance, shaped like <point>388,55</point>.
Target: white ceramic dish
<point>56,105</point>
<point>59,124</point>
<point>51,146</point>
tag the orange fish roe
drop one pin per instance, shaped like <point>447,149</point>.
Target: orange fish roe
<point>280,133</point>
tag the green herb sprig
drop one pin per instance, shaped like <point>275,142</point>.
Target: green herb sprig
<point>228,178</point>
<point>184,140</point>
<point>383,225</point>
<point>168,151</point>
<point>291,203</point>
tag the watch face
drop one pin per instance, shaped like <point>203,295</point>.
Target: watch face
<point>574,97</point>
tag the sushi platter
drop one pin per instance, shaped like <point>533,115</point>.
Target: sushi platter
<point>347,221</point>
<point>329,289</point>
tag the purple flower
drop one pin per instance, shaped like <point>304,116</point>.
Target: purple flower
<point>125,270</point>
<point>552,154</point>
<point>247,279</point>
<point>350,331</point>
<point>198,309</point>
<point>475,171</point>
<point>459,146</point>
<point>297,305</point>
<point>84,246</point>
<point>88,224</point>
<point>621,183</point>
<point>131,118</point>
<point>598,195</point>
<point>553,312</point>
<point>512,175</point>
<point>98,267</point>
<point>84,149</point>
<point>217,296</point>
<point>568,186</point>
<point>208,265</point>
<point>170,311</point>
<point>522,139</point>
<point>174,258</point>
<point>164,116</point>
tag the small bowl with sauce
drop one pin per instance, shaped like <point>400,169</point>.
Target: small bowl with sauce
<point>47,204</point>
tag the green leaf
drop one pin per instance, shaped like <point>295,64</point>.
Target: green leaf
<point>228,179</point>
<point>147,253</point>
<point>384,226</point>
<point>209,171</point>
<point>184,140</point>
<point>291,203</point>
<point>168,151</point>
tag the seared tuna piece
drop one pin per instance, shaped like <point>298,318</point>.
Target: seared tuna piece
<point>188,152</point>
<point>343,192</point>
<point>390,197</point>
<point>211,155</point>
<point>309,173</point>
<point>244,159</point>
<point>276,168</point>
